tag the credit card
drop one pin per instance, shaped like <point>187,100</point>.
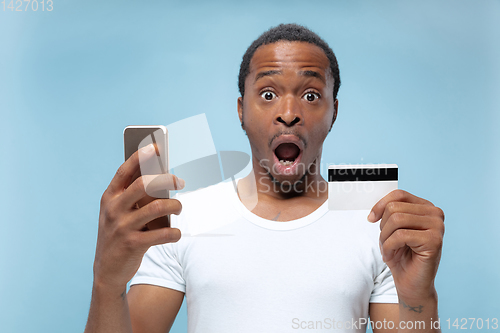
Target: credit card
<point>360,186</point>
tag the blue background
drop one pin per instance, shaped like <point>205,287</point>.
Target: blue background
<point>420,83</point>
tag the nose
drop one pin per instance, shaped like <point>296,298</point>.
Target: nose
<point>289,112</point>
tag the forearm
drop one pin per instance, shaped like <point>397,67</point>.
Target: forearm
<point>419,315</point>
<point>108,311</point>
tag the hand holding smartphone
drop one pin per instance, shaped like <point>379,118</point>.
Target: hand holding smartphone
<point>134,209</point>
<point>137,137</point>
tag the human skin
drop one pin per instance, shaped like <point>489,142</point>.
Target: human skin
<point>411,241</point>
<point>411,227</point>
<point>288,98</point>
<point>122,242</point>
<point>276,102</point>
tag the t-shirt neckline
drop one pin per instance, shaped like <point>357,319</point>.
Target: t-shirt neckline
<point>275,225</point>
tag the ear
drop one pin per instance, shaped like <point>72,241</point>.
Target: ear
<point>240,110</point>
<point>335,109</point>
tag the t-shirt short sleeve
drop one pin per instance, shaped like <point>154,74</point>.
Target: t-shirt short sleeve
<point>384,290</point>
<point>160,267</point>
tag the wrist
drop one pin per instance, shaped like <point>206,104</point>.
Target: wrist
<point>423,303</point>
<point>428,296</point>
<point>103,288</point>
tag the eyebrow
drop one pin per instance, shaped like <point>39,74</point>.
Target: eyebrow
<point>313,74</point>
<point>303,73</point>
<point>267,73</point>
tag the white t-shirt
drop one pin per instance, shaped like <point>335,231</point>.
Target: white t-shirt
<point>242,273</point>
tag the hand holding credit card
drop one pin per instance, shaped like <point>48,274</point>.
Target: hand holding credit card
<point>411,228</point>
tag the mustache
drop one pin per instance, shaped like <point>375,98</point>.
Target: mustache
<point>277,135</point>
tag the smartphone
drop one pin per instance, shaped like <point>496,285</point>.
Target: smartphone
<point>137,137</point>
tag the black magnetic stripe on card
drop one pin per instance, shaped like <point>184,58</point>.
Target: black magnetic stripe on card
<point>362,174</point>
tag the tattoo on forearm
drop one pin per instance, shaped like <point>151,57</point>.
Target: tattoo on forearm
<point>276,218</point>
<point>417,309</point>
<point>123,294</point>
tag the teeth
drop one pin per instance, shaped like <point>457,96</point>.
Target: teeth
<point>286,163</point>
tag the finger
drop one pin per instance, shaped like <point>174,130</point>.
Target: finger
<point>126,171</point>
<point>155,209</point>
<point>409,222</point>
<point>416,240</point>
<point>422,242</point>
<point>396,195</point>
<point>151,185</point>
<point>160,236</point>
<point>158,183</point>
<point>395,207</point>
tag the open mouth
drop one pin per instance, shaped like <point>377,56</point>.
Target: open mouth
<point>287,153</point>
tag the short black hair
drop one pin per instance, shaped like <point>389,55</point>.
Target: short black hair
<point>293,33</point>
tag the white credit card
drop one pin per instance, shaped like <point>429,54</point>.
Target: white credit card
<point>360,186</point>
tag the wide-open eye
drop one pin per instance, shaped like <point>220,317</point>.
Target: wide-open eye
<point>268,95</point>
<point>311,96</point>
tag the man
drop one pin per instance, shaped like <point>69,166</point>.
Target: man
<point>283,261</point>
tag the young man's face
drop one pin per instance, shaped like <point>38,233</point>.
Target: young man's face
<point>288,107</point>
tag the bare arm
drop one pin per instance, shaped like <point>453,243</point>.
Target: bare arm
<point>109,311</point>
<point>145,309</point>
<point>404,317</point>
<point>153,309</point>
<point>123,239</point>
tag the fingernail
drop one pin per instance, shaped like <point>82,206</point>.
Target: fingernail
<point>149,148</point>
<point>180,183</point>
<point>371,217</point>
